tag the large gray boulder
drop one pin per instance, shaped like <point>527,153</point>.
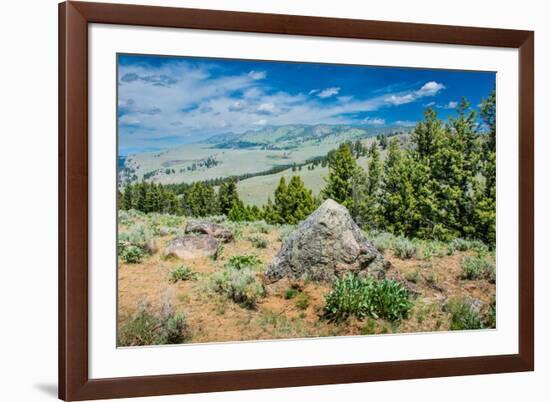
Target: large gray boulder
<point>327,245</point>
<point>189,247</point>
<point>213,229</point>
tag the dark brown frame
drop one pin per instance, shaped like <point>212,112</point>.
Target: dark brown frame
<point>74,17</point>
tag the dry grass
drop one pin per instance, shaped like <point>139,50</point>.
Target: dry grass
<point>213,318</point>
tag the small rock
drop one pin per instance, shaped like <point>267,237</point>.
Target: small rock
<point>189,247</point>
<point>213,229</point>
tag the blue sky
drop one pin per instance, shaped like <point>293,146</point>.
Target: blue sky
<point>168,101</point>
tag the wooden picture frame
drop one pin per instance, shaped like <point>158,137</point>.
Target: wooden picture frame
<point>74,381</point>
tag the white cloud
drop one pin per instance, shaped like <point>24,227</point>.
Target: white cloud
<point>266,108</point>
<point>327,93</point>
<point>451,105</point>
<point>429,104</point>
<point>236,106</point>
<point>400,99</point>
<point>252,93</point>
<point>199,102</point>
<point>257,75</point>
<point>344,99</point>
<point>373,121</point>
<point>430,88</point>
<point>406,123</point>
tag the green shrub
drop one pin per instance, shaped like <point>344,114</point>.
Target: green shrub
<point>464,315</point>
<point>258,241</point>
<point>181,273</point>
<point>369,328</point>
<point>431,278</point>
<point>145,328</point>
<point>139,236</point>
<point>261,226</point>
<point>131,254</point>
<point>302,301</point>
<point>413,276</point>
<point>124,218</point>
<point>219,252</point>
<point>236,228</point>
<point>382,241</point>
<point>475,268</point>
<point>432,248</point>
<point>243,261</point>
<point>460,244</point>
<point>239,285</point>
<point>285,231</point>
<point>290,293</point>
<point>362,297</point>
<point>491,318</point>
<point>404,248</point>
<point>174,329</point>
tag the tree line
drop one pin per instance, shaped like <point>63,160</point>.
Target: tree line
<point>440,185</point>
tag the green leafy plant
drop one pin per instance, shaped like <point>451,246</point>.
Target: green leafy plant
<point>238,285</point>
<point>131,254</point>
<point>362,297</point>
<point>243,261</point>
<point>476,268</point>
<point>181,273</point>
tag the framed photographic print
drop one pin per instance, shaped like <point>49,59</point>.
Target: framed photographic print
<point>258,200</point>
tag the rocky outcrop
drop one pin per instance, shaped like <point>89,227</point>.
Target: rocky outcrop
<point>327,245</point>
<point>213,229</point>
<point>189,247</point>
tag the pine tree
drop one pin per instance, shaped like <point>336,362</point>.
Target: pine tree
<point>431,172</point>
<point>301,202</point>
<point>125,200</point>
<point>367,190</point>
<point>399,207</point>
<point>227,196</point>
<point>383,141</point>
<point>292,203</point>
<point>200,200</point>
<point>464,140</point>
<point>358,149</point>
<point>269,212</point>
<point>485,208</point>
<point>342,169</point>
<point>238,212</point>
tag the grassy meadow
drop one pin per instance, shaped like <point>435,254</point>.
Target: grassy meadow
<point>224,298</point>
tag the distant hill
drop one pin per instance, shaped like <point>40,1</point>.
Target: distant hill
<point>248,153</point>
<point>297,135</point>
